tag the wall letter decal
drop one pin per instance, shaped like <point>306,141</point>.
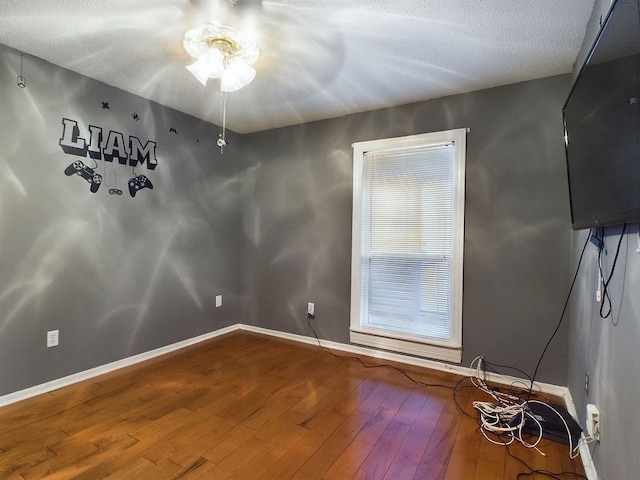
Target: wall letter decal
<point>140,154</point>
<point>115,147</point>
<point>95,142</point>
<point>70,141</point>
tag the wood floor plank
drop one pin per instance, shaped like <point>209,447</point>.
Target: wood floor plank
<point>247,406</point>
<point>241,459</point>
<point>278,438</point>
<point>22,443</point>
<point>452,451</point>
<point>466,451</point>
<point>407,459</point>
<point>550,463</point>
<point>266,416</point>
<point>218,430</point>
<point>227,445</point>
<point>355,454</point>
<point>384,451</point>
<point>350,404</point>
<point>95,465</point>
<point>174,441</point>
<point>411,407</point>
<point>66,453</point>
<point>315,413</point>
<point>16,464</point>
<point>464,459</point>
<point>117,457</point>
<point>488,470</point>
<point>293,460</point>
<point>200,471</point>
<point>323,458</point>
<point>350,460</point>
<point>137,469</point>
<point>435,459</point>
<point>144,469</point>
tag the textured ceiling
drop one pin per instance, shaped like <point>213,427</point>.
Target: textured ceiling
<point>319,58</point>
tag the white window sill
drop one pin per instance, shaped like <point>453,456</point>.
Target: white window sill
<point>415,347</point>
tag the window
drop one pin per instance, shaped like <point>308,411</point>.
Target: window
<point>407,244</point>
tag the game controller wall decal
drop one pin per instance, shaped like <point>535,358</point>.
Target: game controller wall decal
<point>137,183</point>
<point>89,174</point>
<point>132,153</point>
<point>113,182</point>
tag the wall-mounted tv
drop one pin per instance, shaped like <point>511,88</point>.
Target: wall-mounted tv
<point>602,125</point>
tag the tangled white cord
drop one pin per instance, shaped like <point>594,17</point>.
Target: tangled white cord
<point>506,420</point>
<point>508,416</point>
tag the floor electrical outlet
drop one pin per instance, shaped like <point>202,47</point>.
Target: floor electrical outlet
<point>593,421</point>
<point>52,338</point>
<point>311,309</point>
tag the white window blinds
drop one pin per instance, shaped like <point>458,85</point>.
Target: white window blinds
<point>406,240</point>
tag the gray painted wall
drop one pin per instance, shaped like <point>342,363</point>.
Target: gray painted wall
<point>297,202</point>
<point>607,349</point>
<point>116,275</point>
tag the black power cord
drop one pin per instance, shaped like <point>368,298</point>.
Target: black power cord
<point>546,473</point>
<point>454,389</point>
<point>564,310</point>
<point>605,283</point>
<point>377,365</point>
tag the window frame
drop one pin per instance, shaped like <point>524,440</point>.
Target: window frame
<point>449,350</point>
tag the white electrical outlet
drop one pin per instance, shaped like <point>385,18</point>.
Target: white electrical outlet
<point>52,338</point>
<point>218,300</point>
<point>311,309</point>
<point>593,421</point>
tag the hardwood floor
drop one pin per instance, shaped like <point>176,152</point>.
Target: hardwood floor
<point>246,406</point>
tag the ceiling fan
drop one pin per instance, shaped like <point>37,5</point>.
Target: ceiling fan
<point>298,49</point>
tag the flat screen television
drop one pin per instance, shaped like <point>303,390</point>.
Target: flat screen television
<point>602,125</point>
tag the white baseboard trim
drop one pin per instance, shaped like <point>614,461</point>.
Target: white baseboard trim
<point>585,453</point>
<point>507,380</point>
<point>109,367</point>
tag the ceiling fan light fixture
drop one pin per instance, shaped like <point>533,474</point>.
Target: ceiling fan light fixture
<point>198,71</point>
<point>237,74</point>
<point>221,51</point>
<point>209,65</point>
